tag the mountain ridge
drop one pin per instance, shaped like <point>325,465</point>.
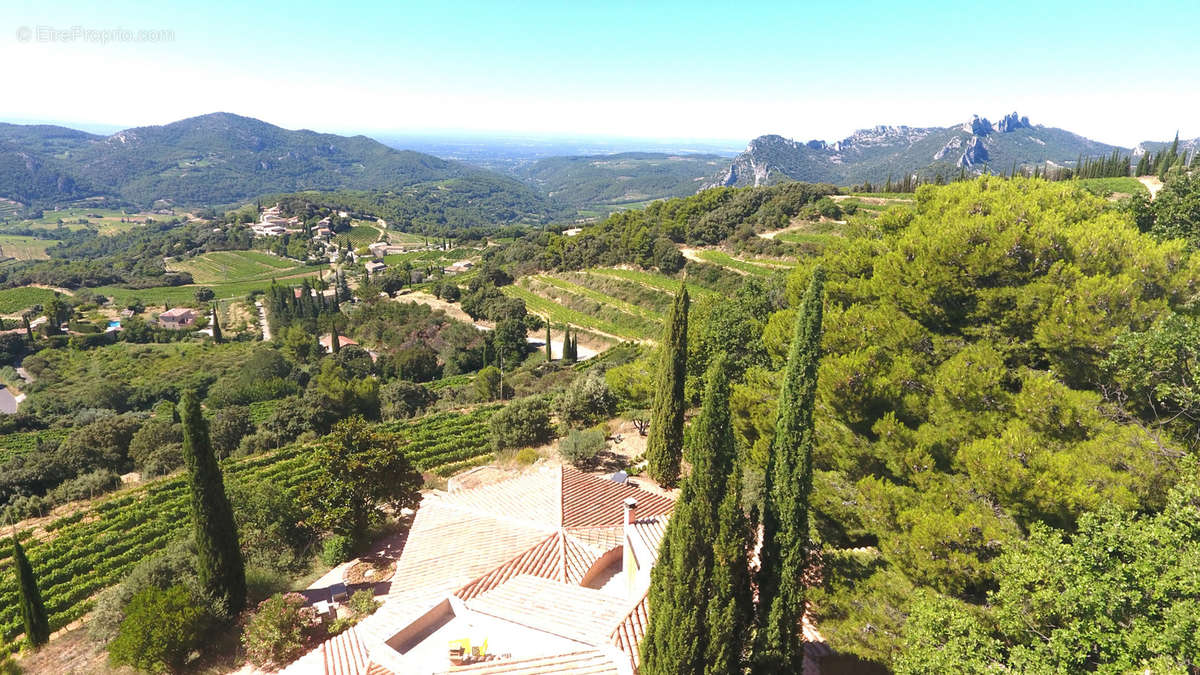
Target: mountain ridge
<point>875,153</point>
<point>218,158</point>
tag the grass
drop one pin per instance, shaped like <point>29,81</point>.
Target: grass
<point>23,247</point>
<point>104,221</point>
<point>14,300</point>
<point>560,314</point>
<point>1107,186</point>
<point>726,260</point>
<point>179,295</point>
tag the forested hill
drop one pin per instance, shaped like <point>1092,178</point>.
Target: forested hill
<point>220,158</point>
<point>622,178</point>
<point>976,146</point>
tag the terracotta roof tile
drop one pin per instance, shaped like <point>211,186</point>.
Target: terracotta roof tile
<point>629,633</point>
<point>544,560</point>
<point>376,669</point>
<point>592,501</point>
<point>581,663</point>
<point>600,539</point>
<point>574,612</point>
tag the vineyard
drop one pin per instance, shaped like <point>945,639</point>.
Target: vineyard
<point>221,266</point>
<point>13,300</point>
<point>758,269</point>
<point>84,553</point>
<point>24,442</point>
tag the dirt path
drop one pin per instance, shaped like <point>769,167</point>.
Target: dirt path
<point>801,225</point>
<point>1152,183</point>
<point>262,321</point>
<point>694,255</point>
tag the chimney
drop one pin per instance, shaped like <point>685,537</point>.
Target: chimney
<point>630,507</point>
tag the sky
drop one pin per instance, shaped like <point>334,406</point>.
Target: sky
<point>1117,72</point>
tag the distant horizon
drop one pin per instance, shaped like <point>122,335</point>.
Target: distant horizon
<point>707,145</point>
<point>616,69</point>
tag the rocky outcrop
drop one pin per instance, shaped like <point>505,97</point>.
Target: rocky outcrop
<point>1012,122</point>
<point>978,126</point>
<point>974,154</point>
<point>949,148</point>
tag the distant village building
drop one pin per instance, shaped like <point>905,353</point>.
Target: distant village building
<point>374,267</point>
<point>459,267</point>
<point>573,231</point>
<point>343,341</point>
<point>382,248</point>
<point>177,317</point>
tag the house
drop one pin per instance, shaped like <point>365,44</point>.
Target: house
<point>458,267</point>
<point>177,317</point>
<point>572,231</point>
<point>374,267</point>
<point>547,571</point>
<point>343,341</point>
<point>382,248</point>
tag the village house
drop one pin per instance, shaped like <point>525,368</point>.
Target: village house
<point>374,267</point>
<point>343,341</point>
<point>458,267</point>
<point>177,317</point>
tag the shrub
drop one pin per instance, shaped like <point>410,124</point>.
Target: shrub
<point>279,630</point>
<point>228,427</point>
<point>522,423</point>
<point>160,630</point>
<point>363,602</point>
<point>527,456</point>
<point>337,549</point>
<point>401,399</point>
<point>586,401</point>
<point>85,486</point>
<point>173,566</point>
<point>580,448</point>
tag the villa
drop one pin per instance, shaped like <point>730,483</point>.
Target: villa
<point>544,571</point>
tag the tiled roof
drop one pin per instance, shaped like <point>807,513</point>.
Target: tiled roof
<point>574,612</point>
<point>629,633</point>
<point>645,536</point>
<point>599,539</point>
<point>580,663</point>
<point>591,501</point>
<point>343,654</point>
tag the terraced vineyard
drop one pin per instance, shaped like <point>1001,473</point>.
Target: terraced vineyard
<point>84,553</point>
<point>759,269</point>
<point>221,266</point>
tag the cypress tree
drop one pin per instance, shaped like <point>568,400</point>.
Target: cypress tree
<point>28,327</point>
<point>677,637</point>
<point>219,565</point>
<point>335,343</point>
<point>730,602</point>
<point>33,612</point>
<point>778,646</point>
<point>549,353</point>
<point>665,445</point>
<point>216,325</point>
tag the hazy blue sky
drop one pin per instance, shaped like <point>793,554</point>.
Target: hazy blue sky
<point>1116,71</point>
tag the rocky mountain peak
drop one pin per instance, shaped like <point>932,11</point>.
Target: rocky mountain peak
<point>974,154</point>
<point>979,126</point>
<point>1012,122</point>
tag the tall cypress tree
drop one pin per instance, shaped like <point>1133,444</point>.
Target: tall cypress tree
<point>665,445</point>
<point>33,612</point>
<point>677,638</point>
<point>219,563</point>
<point>549,353</point>
<point>730,602</point>
<point>216,325</point>
<point>335,343</point>
<point>778,646</point>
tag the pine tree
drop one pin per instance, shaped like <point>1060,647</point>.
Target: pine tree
<point>677,638</point>
<point>216,326</point>
<point>665,445</point>
<point>219,565</point>
<point>549,352</point>
<point>778,646</point>
<point>33,612</point>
